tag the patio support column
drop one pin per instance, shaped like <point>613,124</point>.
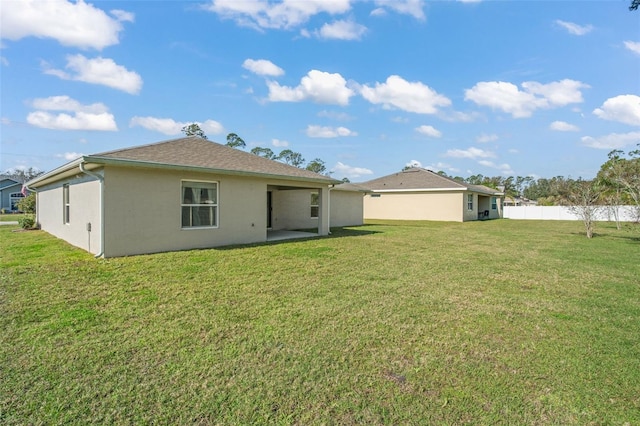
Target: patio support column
<point>323,214</point>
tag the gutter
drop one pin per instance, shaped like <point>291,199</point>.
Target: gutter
<point>101,180</point>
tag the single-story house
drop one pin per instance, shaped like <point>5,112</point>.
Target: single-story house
<point>179,194</point>
<point>10,193</point>
<point>420,194</point>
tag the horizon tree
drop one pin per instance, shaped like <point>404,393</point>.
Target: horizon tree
<point>235,141</point>
<point>194,129</point>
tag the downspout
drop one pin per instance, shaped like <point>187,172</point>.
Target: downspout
<point>101,180</point>
<point>329,203</point>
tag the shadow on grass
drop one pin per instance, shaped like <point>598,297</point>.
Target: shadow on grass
<point>335,233</point>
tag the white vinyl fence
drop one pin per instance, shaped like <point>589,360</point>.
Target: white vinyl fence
<point>604,213</point>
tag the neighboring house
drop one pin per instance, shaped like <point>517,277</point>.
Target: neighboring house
<point>10,193</point>
<point>519,201</point>
<point>420,194</point>
<point>175,195</point>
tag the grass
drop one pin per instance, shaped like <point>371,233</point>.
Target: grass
<point>497,322</point>
<point>10,217</point>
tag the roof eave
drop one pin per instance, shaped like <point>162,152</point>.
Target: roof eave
<point>156,165</point>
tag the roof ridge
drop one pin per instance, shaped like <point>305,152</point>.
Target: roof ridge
<point>130,148</point>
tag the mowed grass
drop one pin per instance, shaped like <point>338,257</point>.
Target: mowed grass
<point>496,322</point>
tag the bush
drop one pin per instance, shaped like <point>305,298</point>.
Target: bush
<point>27,221</point>
<point>28,204</point>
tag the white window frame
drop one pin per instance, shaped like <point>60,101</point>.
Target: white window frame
<point>314,206</point>
<point>215,205</point>
<point>14,199</point>
<point>470,202</point>
<point>66,204</point>
<point>494,203</point>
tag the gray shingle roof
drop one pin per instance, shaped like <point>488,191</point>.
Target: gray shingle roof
<point>197,152</point>
<point>417,178</point>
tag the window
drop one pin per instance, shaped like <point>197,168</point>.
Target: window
<point>469,201</point>
<point>315,204</point>
<point>65,203</point>
<point>375,195</point>
<point>15,198</point>
<point>199,204</point>
<point>494,203</point>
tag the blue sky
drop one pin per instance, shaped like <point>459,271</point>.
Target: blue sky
<point>540,88</point>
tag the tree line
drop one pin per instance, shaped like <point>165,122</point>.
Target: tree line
<point>286,156</point>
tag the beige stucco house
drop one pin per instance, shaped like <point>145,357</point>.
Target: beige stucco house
<point>179,194</point>
<point>420,194</point>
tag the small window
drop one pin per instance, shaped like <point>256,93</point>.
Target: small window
<point>65,203</point>
<point>494,203</point>
<point>375,195</point>
<point>315,205</point>
<point>199,203</point>
<point>469,201</point>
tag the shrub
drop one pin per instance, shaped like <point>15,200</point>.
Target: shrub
<point>27,221</point>
<point>28,204</point>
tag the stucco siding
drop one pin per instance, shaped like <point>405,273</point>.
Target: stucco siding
<point>347,208</point>
<point>292,209</point>
<point>441,206</point>
<point>84,209</point>
<point>143,212</point>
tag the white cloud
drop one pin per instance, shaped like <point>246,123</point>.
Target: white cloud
<point>397,92</point>
<point>77,117</point>
<point>169,126</point>
<point>65,103</point>
<point>69,156</point>
<point>443,167</point>
<point>77,121</point>
<point>575,29</point>
<point>341,30</point>
<point>262,67</point>
<point>623,109</point>
<point>484,138</point>
<point>562,126</point>
<point>345,170</point>
<point>633,46</point>
<point>471,152</point>
<point>123,15</point>
<point>522,103</point>
<point>414,163</point>
<point>328,132</point>
<point>406,7</point>
<point>99,70</point>
<point>4,61</point>
<point>504,168</point>
<point>379,11</point>
<point>287,14</point>
<point>334,115</point>
<point>429,131</point>
<point>278,143</point>
<point>75,24</point>
<point>317,86</point>
<point>612,141</point>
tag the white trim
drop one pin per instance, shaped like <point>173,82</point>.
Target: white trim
<point>419,190</point>
<point>216,205</point>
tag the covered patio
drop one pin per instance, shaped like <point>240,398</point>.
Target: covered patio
<point>281,235</point>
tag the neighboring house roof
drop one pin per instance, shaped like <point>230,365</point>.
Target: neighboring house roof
<point>194,153</point>
<point>350,187</point>
<point>419,179</point>
<point>15,179</point>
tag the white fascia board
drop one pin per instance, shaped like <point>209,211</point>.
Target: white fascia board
<point>419,190</point>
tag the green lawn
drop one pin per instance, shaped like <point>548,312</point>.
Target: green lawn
<point>10,217</point>
<point>496,322</point>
